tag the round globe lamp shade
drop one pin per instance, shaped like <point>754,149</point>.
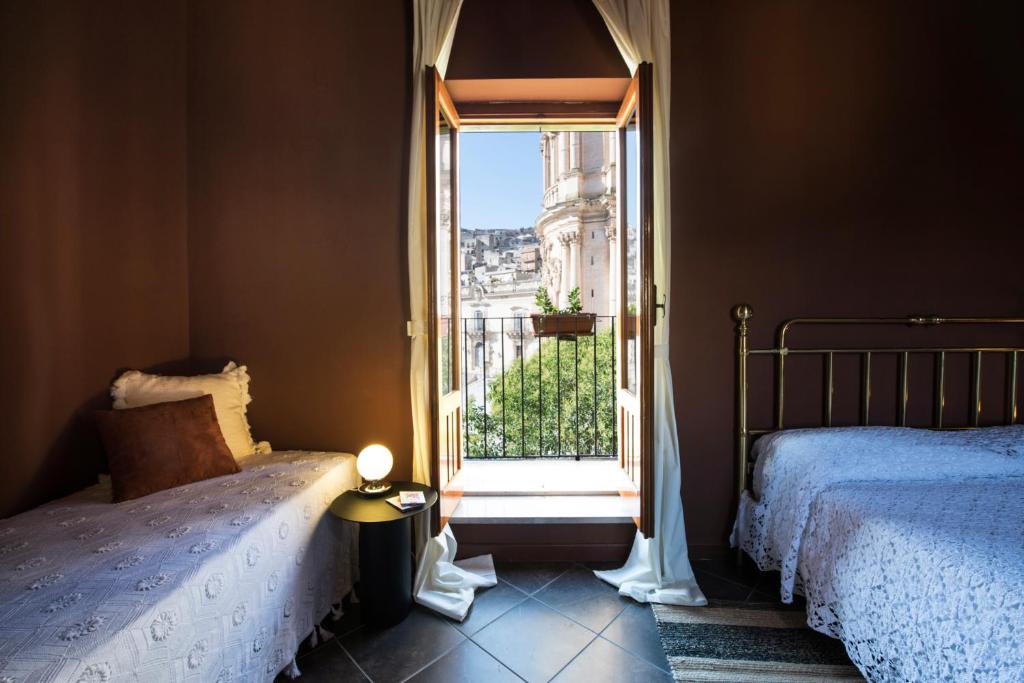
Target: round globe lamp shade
<point>374,463</point>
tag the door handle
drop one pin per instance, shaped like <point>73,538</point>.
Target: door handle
<point>657,306</point>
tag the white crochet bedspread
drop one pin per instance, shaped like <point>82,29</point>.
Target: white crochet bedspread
<point>922,581</point>
<point>214,581</point>
<point>793,467</point>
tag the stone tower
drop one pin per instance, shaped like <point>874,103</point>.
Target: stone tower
<point>577,227</point>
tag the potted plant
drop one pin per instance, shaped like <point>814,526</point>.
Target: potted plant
<point>567,323</point>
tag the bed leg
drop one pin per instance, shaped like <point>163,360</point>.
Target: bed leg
<point>292,671</point>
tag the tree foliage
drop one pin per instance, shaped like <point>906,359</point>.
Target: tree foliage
<point>561,401</point>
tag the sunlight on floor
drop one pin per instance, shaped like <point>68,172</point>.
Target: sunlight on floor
<point>542,477</point>
<point>544,492</point>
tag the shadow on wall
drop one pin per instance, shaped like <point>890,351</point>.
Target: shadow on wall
<point>76,451</point>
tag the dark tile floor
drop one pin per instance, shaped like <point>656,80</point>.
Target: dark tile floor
<point>542,622</point>
<point>722,579</point>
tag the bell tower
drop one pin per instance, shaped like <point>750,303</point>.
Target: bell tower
<point>576,228</point>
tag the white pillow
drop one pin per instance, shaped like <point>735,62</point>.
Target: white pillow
<point>229,389</point>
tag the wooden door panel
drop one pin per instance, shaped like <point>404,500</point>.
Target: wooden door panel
<point>635,343</point>
<point>450,453</point>
<point>441,160</point>
<point>629,449</point>
<point>629,428</point>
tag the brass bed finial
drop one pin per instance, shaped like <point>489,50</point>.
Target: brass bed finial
<point>742,312</point>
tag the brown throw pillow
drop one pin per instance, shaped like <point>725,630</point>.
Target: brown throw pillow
<point>163,445</point>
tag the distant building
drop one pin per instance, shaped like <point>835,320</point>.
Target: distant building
<point>500,276</point>
<point>529,259</point>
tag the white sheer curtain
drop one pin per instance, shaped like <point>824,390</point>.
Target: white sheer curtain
<point>658,569</point>
<point>440,584</point>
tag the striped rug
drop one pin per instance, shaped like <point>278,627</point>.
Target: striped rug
<point>755,642</point>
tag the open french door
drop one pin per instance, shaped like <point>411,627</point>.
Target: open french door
<point>443,328</point>
<point>635,343</point>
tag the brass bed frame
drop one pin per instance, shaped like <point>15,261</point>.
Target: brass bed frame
<point>745,436</point>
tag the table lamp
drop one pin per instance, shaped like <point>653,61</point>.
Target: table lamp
<point>374,463</point>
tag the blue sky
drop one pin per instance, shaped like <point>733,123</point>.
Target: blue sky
<point>500,179</point>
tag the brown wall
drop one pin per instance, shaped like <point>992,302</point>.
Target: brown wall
<point>833,157</point>
<point>298,121</point>
<point>839,157</point>
<point>92,224</point>
<point>533,39</point>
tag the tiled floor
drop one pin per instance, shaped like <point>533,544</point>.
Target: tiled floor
<point>540,623</point>
<point>722,579</point>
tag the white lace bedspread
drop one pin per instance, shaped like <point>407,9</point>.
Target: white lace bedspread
<point>215,581</point>
<point>793,467</point>
<point>922,581</point>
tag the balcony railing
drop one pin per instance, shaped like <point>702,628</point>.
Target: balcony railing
<point>537,397</point>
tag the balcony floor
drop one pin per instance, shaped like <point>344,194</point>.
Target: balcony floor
<point>541,478</point>
<point>544,492</point>
<point>608,509</point>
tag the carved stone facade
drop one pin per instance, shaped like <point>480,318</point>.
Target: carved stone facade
<point>577,227</point>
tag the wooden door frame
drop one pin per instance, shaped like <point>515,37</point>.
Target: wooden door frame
<point>441,104</point>
<point>639,99</point>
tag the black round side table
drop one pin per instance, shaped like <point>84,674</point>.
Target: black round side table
<point>385,550</point>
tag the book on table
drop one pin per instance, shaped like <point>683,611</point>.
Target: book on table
<point>412,498</point>
<point>407,500</point>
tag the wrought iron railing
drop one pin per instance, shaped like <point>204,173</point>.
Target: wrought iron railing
<point>528,396</point>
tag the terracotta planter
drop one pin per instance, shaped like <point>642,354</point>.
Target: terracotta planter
<point>564,325</point>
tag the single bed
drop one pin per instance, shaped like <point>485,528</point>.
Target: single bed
<point>920,580</point>
<point>907,543</point>
<point>218,580</point>
<point>794,468</point>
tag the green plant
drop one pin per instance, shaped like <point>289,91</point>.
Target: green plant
<point>543,301</point>
<point>547,307</point>
<point>575,304</point>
